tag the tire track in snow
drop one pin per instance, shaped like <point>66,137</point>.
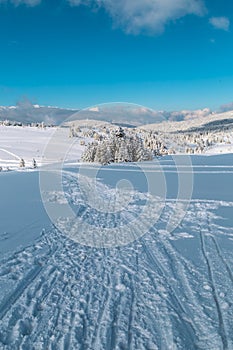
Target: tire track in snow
<point>156,265</point>
<point>131,315</point>
<point>182,313</point>
<point>218,250</point>
<point>228,269</point>
<point>221,325</point>
<point>10,300</point>
<point>200,320</point>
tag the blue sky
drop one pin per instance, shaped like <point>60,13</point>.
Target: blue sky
<point>163,54</point>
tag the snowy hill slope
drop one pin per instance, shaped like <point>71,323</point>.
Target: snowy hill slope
<point>29,143</point>
<point>164,290</point>
<point>211,121</point>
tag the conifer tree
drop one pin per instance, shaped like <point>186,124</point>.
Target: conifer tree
<point>22,163</point>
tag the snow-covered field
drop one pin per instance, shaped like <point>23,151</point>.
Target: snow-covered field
<point>30,142</point>
<point>164,289</point>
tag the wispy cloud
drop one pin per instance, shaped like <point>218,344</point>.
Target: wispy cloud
<point>220,23</point>
<point>21,2</point>
<point>142,16</point>
<point>148,16</point>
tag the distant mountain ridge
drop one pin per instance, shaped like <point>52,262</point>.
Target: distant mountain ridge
<point>135,115</point>
<point>29,113</point>
<point>116,113</point>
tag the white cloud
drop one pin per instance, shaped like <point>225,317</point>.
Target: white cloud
<point>21,2</point>
<point>220,23</point>
<point>148,16</point>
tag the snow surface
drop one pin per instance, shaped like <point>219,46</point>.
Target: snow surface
<point>163,290</point>
<point>195,122</point>
<point>30,142</point>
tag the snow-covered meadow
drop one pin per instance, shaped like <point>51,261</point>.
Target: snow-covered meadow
<point>28,143</point>
<point>163,281</point>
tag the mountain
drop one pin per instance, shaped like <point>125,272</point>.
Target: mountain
<point>124,114</point>
<point>211,122</point>
<point>135,115</point>
<point>25,112</point>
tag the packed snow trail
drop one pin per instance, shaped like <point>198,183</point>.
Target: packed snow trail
<point>162,291</point>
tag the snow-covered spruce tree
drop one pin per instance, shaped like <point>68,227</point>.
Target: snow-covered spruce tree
<point>72,132</point>
<point>103,154</point>
<point>22,163</point>
<point>118,148</point>
<point>34,164</point>
<point>90,152</point>
<point>122,151</point>
<point>139,152</point>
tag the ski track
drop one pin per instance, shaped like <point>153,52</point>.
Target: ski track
<point>144,296</point>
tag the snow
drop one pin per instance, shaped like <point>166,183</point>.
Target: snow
<point>30,142</point>
<point>160,289</point>
<point>190,123</point>
<point>219,148</point>
<point>22,213</point>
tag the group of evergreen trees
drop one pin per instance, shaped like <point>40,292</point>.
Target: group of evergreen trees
<point>119,147</point>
